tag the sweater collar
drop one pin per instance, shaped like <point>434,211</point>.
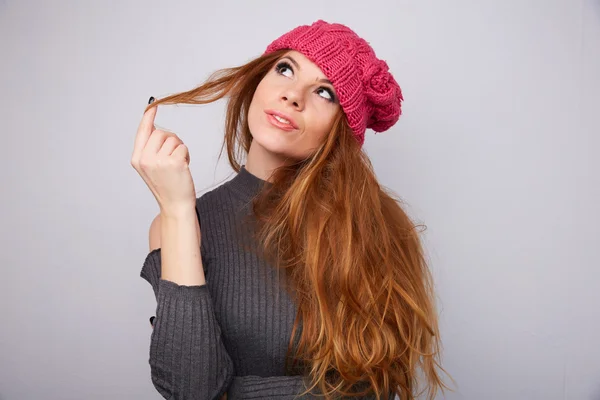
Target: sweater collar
<point>246,184</point>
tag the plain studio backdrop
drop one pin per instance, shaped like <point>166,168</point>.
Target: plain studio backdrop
<point>496,153</point>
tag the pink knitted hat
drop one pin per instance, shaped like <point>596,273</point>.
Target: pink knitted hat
<point>368,93</point>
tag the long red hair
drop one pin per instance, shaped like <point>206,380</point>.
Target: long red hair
<point>354,261</point>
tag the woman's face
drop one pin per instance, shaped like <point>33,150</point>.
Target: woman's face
<point>297,88</point>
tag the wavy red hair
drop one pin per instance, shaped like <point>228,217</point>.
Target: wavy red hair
<point>353,258</point>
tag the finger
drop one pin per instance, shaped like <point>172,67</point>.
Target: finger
<point>169,145</point>
<point>162,129</point>
<point>144,131</point>
<point>157,140</point>
<point>182,153</point>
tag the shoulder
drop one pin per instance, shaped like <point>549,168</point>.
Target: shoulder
<point>220,198</point>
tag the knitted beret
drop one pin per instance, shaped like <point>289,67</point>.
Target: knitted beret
<point>367,91</point>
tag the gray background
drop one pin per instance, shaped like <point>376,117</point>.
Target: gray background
<point>495,153</point>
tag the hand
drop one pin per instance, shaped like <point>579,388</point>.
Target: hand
<point>224,396</point>
<point>162,160</point>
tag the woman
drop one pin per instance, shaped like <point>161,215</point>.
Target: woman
<point>353,313</point>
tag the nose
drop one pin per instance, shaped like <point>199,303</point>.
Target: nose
<point>293,96</point>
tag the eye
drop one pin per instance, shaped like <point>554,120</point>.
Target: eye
<point>329,91</point>
<point>281,66</point>
<point>284,65</point>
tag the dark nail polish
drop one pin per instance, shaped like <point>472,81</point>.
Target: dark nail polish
<point>152,321</point>
<point>151,100</point>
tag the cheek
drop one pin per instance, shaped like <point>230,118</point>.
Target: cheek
<point>256,99</point>
<point>319,124</point>
<point>264,88</point>
<point>256,107</point>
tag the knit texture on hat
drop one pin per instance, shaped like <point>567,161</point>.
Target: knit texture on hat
<point>367,91</point>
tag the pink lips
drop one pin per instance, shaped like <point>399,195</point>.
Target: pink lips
<point>292,125</point>
<point>280,125</point>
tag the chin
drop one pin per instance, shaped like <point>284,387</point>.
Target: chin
<point>276,144</point>
<point>279,143</point>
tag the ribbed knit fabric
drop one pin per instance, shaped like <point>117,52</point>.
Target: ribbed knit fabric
<point>231,334</point>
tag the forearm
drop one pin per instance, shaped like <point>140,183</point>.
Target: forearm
<point>180,248</point>
<point>188,360</point>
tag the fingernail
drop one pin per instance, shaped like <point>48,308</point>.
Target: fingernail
<point>152,321</point>
<point>151,100</point>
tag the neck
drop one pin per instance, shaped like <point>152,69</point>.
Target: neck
<point>262,162</point>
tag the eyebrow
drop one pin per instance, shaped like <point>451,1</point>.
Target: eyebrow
<point>298,66</point>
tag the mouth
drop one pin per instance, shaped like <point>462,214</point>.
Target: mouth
<point>281,120</point>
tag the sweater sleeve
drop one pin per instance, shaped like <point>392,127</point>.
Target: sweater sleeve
<point>276,387</point>
<point>188,359</point>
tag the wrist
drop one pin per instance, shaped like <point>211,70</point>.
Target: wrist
<point>178,212</point>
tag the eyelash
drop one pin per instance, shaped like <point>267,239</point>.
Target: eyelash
<point>284,64</point>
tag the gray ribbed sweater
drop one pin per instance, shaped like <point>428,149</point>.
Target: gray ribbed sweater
<point>231,334</point>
